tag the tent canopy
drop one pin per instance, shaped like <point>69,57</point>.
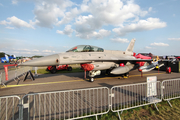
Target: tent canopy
<point>142,56</point>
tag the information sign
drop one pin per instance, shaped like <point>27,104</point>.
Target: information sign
<point>151,86</point>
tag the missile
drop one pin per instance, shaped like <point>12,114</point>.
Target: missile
<point>149,67</point>
<point>50,60</point>
<point>122,70</point>
<point>146,68</point>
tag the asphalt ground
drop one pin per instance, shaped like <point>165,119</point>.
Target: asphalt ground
<point>72,81</point>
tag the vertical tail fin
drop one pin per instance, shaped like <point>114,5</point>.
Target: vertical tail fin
<point>131,46</point>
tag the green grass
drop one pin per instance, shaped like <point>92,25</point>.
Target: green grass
<point>43,71</point>
<point>146,113</point>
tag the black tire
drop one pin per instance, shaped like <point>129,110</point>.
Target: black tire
<point>53,70</point>
<point>69,68</point>
<point>91,79</point>
<point>126,74</point>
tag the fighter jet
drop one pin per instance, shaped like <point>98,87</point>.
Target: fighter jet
<point>93,59</point>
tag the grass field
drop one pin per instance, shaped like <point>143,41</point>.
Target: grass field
<point>146,113</point>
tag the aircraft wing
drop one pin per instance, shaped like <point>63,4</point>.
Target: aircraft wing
<point>117,60</point>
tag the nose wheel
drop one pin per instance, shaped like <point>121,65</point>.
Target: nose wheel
<point>91,79</point>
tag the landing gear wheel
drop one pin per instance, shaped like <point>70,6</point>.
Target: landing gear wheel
<point>126,74</point>
<point>69,68</point>
<point>53,70</point>
<point>91,79</point>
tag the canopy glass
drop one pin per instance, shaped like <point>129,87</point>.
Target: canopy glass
<point>85,48</point>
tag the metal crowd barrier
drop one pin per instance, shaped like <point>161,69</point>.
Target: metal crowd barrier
<point>0,77</point>
<point>171,89</point>
<point>9,108</point>
<point>71,104</point>
<point>130,96</point>
<point>81,103</point>
<point>13,74</point>
<point>3,79</point>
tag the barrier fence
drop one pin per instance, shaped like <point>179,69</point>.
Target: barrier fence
<point>130,96</point>
<point>9,108</point>
<point>66,104</point>
<point>81,103</point>
<point>171,89</point>
<point>13,74</point>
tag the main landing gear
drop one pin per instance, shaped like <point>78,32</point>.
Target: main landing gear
<point>91,79</point>
<point>53,70</point>
<point>126,75</point>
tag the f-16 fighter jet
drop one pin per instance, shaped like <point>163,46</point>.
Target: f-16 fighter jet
<point>94,59</point>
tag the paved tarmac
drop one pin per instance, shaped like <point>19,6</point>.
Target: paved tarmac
<point>71,81</point>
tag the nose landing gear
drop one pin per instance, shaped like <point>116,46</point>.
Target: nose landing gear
<point>92,74</point>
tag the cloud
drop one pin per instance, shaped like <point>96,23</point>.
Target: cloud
<point>58,12</point>
<point>67,31</point>
<point>102,13</point>
<point>69,16</point>
<point>16,22</point>
<point>10,27</point>
<point>147,47</point>
<point>1,4</point>
<point>159,44</point>
<point>86,29</point>
<point>142,25</point>
<point>114,12</point>
<point>176,39</point>
<point>47,51</point>
<point>4,22</point>
<point>26,52</point>
<point>122,40</point>
<point>93,34</point>
<point>8,43</point>
<point>150,9</point>
<point>65,46</point>
<point>48,12</point>
<point>14,2</point>
<point>35,50</point>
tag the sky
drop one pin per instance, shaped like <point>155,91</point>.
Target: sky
<point>44,27</point>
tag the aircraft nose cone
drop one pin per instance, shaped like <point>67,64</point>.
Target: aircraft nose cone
<point>44,61</point>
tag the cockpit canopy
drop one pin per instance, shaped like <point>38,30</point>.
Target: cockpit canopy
<point>85,48</point>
